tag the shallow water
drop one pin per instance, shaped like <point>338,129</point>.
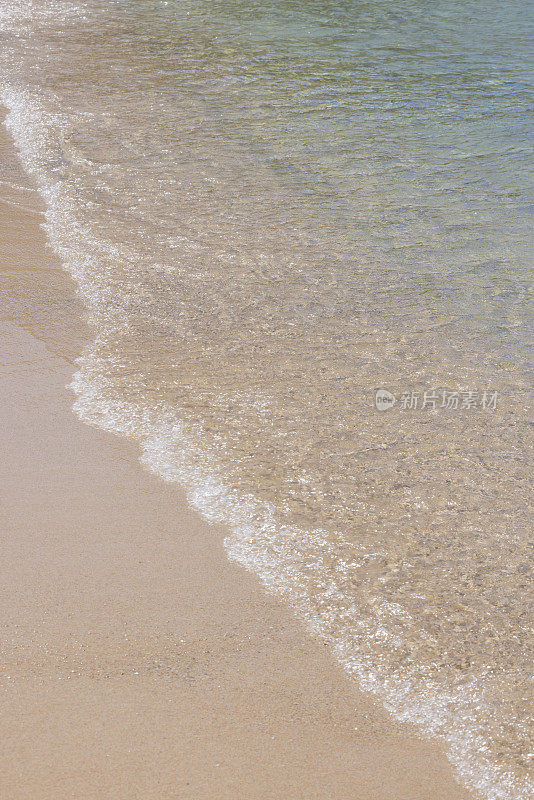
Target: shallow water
<point>272,212</point>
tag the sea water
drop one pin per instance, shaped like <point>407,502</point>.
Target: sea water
<point>303,234</point>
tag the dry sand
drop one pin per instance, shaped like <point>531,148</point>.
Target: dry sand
<point>135,660</point>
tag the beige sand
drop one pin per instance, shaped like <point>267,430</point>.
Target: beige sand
<point>136,661</point>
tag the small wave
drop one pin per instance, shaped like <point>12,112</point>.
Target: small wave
<point>290,561</point>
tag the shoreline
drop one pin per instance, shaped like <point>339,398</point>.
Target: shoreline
<point>137,661</point>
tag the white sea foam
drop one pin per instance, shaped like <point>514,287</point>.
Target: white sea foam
<point>282,557</point>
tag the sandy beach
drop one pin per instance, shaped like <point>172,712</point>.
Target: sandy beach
<point>136,660</point>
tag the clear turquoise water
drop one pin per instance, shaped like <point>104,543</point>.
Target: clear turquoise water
<point>271,212</point>
<point>406,126</point>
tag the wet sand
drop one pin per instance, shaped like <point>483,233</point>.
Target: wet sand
<point>136,661</point>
